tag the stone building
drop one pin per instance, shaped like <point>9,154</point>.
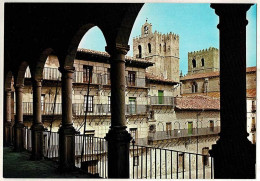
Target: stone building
<point>206,81</point>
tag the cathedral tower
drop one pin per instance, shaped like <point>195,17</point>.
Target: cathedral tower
<point>162,49</point>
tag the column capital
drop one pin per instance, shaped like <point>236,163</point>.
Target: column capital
<point>8,90</point>
<point>224,9</point>
<point>36,83</point>
<point>117,49</point>
<point>18,86</point>
<point>67,69</point>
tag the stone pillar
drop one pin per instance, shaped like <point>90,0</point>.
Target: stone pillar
<point>118,138</point>
<point>67,131</point>
<point>19,126</point>
<point>234,155</point>
<point>8,124</point>
<point>37,127</point>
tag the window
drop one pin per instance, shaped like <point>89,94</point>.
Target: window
<point>108,76</point>
<point>136,160</point>
<point>193,63</point>
<point>109,104</point>
<point>205,158</point>
<point>194,87</point>
<point>202,62</point>
<point>42,102</point>
<point>211,125</point>
<point>164,47</point>
<point>87,73</point>
<point>253,128</point>
<point>152,128</point>
<point>160,96</point>
<point>253,138</point>
<point>140,51</point>
<point>190,127</point>
<point>131,78</point>
<point>133,132</point>
<point>169,128</point>
<point>149,48</point>
<point>132,105</point>
<point>90,103</point>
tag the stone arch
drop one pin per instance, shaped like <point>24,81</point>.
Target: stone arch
<point>20,74</point>
<point>194,87</point>
<point>37,72</point>
<point>8,80</point>
<point>73,47</point>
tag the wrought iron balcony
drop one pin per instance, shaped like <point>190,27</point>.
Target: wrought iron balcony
<point>51,74</point>
<point>47,108</point>
<point>135,82</point>
<point>133,109</point>
<point>162,100</point>
<point>179,133</point>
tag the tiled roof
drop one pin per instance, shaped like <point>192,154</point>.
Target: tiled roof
<point>197,102</point>
<point>211,74</point>
<point>250,93</point>
<point>105,54</point>
<point>157,78</point>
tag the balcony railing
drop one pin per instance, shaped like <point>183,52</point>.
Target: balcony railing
<point>145,162</point>
<point>47,108</point>
<point>135,82</point>
<point>162,100</point>
<point>157,163</point>
<point>133,109</point>
<point>79,109</point>
<point>179,133</point>
<point>51,73</point>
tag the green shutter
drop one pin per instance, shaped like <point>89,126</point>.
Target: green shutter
<point>160,97</point>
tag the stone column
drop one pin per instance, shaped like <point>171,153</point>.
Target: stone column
<point>234,155</point>
<point>118,138</point>
<point>37,127</point>
<point>19,126</point>
<point>8,124</point>
<point>67,131</point>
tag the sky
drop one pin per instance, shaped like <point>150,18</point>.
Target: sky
<point>196,25</point>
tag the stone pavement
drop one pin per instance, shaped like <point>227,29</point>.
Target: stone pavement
<point>18,165</point>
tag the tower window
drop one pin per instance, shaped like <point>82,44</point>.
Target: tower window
<point>149,48</point>
<point>202,62</point>
<point>194,87</point>
<point>193,63</point>
<point>164,47</point>
<point>140,51</point>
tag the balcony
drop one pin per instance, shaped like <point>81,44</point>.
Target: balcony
<point>91,156</point>
<point>132,109</point>
<point>135,82</point>
<point>47,108</point>
<point>180,133</point>
<point>162,100</point>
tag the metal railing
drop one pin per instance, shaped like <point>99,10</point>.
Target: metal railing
<point>162,100</point>
<point>78,109</point>
<point>136,82</point>
<point>27,138</point>
<point>51,145</point>
<point>157,163</point>
<point>51,73</point>
<point>47,108</point>
<point>133,109</point>
<point>179,133</point>
<point>91,155</point>
<point>79,77</point>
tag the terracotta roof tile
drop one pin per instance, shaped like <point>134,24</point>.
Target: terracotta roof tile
<point>211,74</point>
<point>197,102</point>
<point>153,77</point>
<point>105,54</point>
<point>251,93</point>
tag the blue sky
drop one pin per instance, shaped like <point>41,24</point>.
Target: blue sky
<point>194,23</point>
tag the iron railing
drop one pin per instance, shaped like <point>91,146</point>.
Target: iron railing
<point>162,100</point>
<point>157,163</point>
<point>135,82</point>
<point>179,133</point>
<point>133,109</point>
<point>47,108</point>
<point>51,145</point>
<point>27,136</point>
<point>51,73</point>
<point>91,155</point>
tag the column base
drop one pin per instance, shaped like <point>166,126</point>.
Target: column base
<point>67,148</point>
<point>8,133</point>
<point>118,152</point>
<point>37,141</point>
<point>18,137</point>
<point>234,159</point>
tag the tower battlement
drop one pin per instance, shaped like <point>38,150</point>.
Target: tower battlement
<point>203,51</point>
